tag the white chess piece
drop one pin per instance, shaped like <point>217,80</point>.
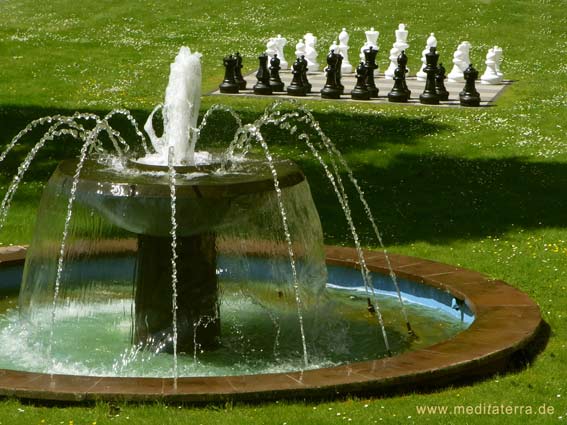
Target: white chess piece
<point>371,41</point>
<point>300,49</point>
<point>431,42</point>
<point>467,52</point>
<point>280,44</point>
<point>311,52</point>
<point>400,45</point>
<point>461,62</point>
<point>271,47</point>
<point>498,51</point>
<point>346,67</point>
<point>334,47</point>
<point>490,75</point>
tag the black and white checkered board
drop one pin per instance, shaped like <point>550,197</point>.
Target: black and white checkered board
<point>488,93</point>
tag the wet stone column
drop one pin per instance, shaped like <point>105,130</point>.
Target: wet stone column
<point>197,292</point>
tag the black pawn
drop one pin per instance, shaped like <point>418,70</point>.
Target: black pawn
<point>331,90</point>
<point>429,95</point>
<point>306,84</point>
<point>360,92</point>
<point>263,76</point>
<point>469,96</point>
<point>440,83</point>
<point>229,85</point>
<point>296,87</point>
<point>370,65</point>
<point>399,92</point>
<point>403,62</point>
<point>238,72</point>
<point>275,81</point>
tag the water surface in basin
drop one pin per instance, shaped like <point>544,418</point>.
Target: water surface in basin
<point>96,340</point>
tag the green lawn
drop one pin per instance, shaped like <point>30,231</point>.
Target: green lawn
<point>481,188</point>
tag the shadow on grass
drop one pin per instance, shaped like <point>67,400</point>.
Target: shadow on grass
<point>439,198</point>
<point>13,119</point>
<point>416,195</point>
<point>369,131</point>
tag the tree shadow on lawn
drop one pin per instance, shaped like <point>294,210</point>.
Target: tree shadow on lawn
<point>440,198</point>
<point>13,119</point>
<point>418,196</point>
<point>371,132</point>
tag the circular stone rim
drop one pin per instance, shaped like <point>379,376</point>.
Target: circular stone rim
<point>197,168</point>
<point>289,174</point>
<point>506,322</point>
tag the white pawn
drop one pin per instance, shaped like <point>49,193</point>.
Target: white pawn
<point>400,45</point>
<point>346,67</point>
<point>371,41</point>
<point>490,75</point>
<point>498,59</point>
<point>334,47</point>
<point>461,62</point>
<point>311,52</point>
<point>431,42</point>
<point>280,44</point>
<point>300,49</point>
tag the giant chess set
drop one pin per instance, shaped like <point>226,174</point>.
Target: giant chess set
<point>364,82</point>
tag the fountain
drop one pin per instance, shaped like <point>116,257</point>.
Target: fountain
<point>172,273</point>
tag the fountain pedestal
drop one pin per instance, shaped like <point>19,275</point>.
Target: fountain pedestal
<point>197,292</point>
<point>139,200</point>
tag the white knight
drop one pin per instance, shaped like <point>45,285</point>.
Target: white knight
<point>498,52</point>
<point>300,48</point>
<point>280,44</point>
<point>271,47</point>
<point>490,75</point>
<point>461,62</point>
<point>311,51</point>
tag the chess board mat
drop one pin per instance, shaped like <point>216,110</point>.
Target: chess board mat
<point>488,92</point>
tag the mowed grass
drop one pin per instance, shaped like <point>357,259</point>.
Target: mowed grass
<point>483,188</point>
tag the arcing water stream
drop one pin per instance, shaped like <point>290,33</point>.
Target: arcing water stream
<point>176,147</point>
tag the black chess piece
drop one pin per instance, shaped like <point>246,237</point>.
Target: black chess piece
<point>403,62</point>
<point>263,76</point>
<point>370,64</point>
<point>229,85</point>
<point>275,81</point>
<point>296,87</point>
<point>398,92</point>
<point>440,83</point>
<point>306,84</point>
<point>469,96</point>
<point>360,91</point>
<point>238,72</point>
<point>331,90</point>
<point>339,73</point>
<point>429,95</point>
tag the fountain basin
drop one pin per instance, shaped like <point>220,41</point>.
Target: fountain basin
<point>506,323</point>
<point>139,201</point>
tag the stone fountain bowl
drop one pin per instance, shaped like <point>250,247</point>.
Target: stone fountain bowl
<point>507,330</point>
<point>140,200</point>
